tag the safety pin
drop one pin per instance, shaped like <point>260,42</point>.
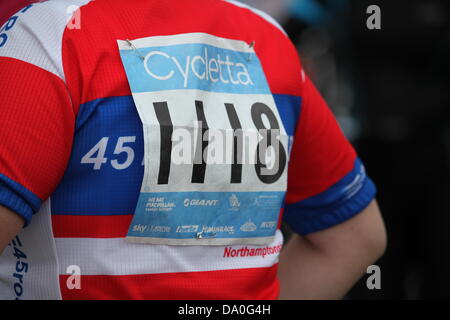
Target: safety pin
<point>135,49</point>
<point>250,46</point>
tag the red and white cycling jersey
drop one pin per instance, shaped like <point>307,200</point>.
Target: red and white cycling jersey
<point>71,150</point>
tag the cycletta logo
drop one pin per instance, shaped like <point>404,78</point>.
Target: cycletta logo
<point>213,68</point>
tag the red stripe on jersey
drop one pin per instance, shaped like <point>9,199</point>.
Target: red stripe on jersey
<point>77,226</point>
<point>96,71</point>
<point>240,284</point>
<point>35,150</point>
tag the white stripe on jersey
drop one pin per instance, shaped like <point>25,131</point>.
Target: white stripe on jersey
<point>118,257</point>
<point>37,35</point>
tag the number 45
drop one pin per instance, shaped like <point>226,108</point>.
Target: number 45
<point>96,155</point>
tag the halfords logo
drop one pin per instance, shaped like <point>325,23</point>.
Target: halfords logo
<point>229,252</point>
<point>200,202</point>
<point>213,68</point>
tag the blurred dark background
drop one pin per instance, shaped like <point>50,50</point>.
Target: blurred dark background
<point>390,91</point>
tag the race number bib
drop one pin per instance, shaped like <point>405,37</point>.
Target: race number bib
<point>216,150</point>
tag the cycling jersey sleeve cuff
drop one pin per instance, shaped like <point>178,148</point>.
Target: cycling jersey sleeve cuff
<point>356,191</point>
<point>18,199</point>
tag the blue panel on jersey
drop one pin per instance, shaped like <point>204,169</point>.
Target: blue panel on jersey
<point>106,190</point>
<point>339,203</point>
